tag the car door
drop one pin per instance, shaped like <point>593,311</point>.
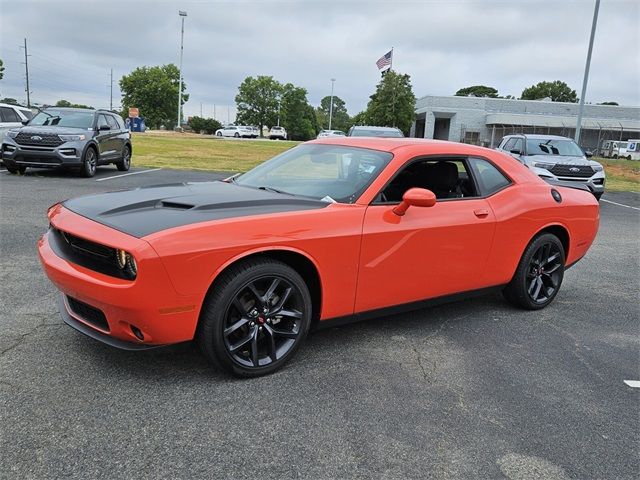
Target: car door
<point>117,139</point>
<point>429,252</point>
<point>104,138</point>
<point>9,119</point>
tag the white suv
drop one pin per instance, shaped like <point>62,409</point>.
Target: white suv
<point>12,116</point>
<point>277,133</point>
<point>556,159</point>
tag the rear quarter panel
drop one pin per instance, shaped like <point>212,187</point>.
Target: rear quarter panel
<point>523,210</point>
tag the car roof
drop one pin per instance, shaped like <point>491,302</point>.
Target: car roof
<point>390,144</point>
<point>538,137</point>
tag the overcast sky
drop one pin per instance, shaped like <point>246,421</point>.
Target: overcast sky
<point>442,45</point>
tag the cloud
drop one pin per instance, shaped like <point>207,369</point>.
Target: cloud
<point>443,45</point>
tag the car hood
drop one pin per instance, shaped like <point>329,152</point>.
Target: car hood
<point>558,159</point>
<point>37,130</point>
<point>147,210</point>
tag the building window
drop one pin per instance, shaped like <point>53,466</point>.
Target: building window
<point>471,137</point>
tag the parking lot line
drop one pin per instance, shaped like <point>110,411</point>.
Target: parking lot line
<point>633,383</point>
<point>127,174</point>
<point>619,204</point>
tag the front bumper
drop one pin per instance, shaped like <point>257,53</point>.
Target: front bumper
<point>137,314</point>
<point>68,154</point>
<point>595,183</point>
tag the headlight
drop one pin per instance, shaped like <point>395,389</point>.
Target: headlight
<point>597,168</point>
<point>127,263</point>
<point>547,166</point>
<point>72,138</point>
<point>13,133</point>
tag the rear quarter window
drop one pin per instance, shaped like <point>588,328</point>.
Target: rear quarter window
<point>490,180</point>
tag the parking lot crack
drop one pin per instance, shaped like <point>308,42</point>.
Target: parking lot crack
<point>21,338</point>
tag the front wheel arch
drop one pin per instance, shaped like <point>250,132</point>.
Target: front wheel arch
<point>295,259</point>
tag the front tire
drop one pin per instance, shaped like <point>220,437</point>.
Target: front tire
<point>539,274</point>
<point>124,164</point>
<point>255,318</point>
<point>89,163</point>
<point>236,135</point>
<point>16,169</point>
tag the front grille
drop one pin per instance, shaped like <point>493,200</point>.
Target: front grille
<point>564,170</point>
<point>89,314</point>
<point>39,139</point>
<point>86,253</point>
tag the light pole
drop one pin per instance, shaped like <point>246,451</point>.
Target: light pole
<point>279,100</point>
<point>586,72</point>
<point>333,80</point>
<point>182,14</point>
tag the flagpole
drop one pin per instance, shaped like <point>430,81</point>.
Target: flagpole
<point>391,64</point>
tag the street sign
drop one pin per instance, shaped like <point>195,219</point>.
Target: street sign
<point>133,112</point>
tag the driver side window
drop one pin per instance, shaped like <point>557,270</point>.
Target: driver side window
<point>447,178</point>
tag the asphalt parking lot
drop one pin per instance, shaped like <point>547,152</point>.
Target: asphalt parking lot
<point>475,389</point>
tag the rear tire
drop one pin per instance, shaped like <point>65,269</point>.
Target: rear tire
<point>124,164</point>
<point>539,274</point>
<point>236,135</point>
<point>89,163</point>
<point>255,318</point>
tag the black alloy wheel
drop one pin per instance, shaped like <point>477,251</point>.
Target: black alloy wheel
<point>89,163</point>
<point>539,273</point>
<point>255,318</point>
<point>124,164</point>
<point>263,321</point>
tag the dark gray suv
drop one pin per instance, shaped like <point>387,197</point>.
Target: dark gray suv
<point>74,138</point>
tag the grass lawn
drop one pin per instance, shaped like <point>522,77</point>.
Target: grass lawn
<point>199,152</point>
<point>622,175</point>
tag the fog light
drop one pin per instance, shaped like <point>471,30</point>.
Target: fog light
<point>136,331</point>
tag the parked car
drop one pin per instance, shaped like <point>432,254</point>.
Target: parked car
<point>331,133</point>
<point>248,265</point>
<point>71,138</point>
<point>12,116</point>
<point>237,131</point>
<point>556,159</point>
<point>615,149</point>
<point>277,133</point>
<point>256,131</point>
<point>368,131</point>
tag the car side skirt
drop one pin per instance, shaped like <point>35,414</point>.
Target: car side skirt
<point>406,307</point>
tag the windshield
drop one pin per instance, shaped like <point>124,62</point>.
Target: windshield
<point>360,132</point>
<point>63,118</point>
<point>324,172</point>
<point>563,148</point>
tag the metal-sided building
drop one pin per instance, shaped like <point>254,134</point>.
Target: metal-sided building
<point>484,121</point>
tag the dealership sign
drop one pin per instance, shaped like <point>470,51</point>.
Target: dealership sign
<point>133,112</point>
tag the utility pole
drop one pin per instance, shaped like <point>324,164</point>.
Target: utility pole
<point>586,72</point>
<point>214,111</point>
<point>26,72</point>
<point>333,80</point>
<point>201,110</point>
<point>228,115</point>
<point>182,15</point>
<point>111,92</point>
<point>279,100</point>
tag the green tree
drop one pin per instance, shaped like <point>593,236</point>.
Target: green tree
<point>557,91</point>
<point>10,101</point>
<point>477,91</point>
<point>609,103</point>
<point>257,101</point>
<point>296,115</point>
<point>393,103</point>
<point>206,125</point>
<point>154,91</point>
<point>340,119</point>
<point>66,103</point>
<point>359,118</point>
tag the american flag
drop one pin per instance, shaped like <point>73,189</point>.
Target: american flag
<point>385,60</point>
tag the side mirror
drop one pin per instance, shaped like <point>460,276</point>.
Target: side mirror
<point>588,153</point>
<point>516,152</point>
<point>24,122</point>
<point>417,197</point>
<point>102,128</point>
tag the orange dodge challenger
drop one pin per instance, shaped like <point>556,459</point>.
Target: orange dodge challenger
<point>333,229</point>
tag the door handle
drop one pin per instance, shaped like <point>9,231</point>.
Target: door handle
<point>481,212</point>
